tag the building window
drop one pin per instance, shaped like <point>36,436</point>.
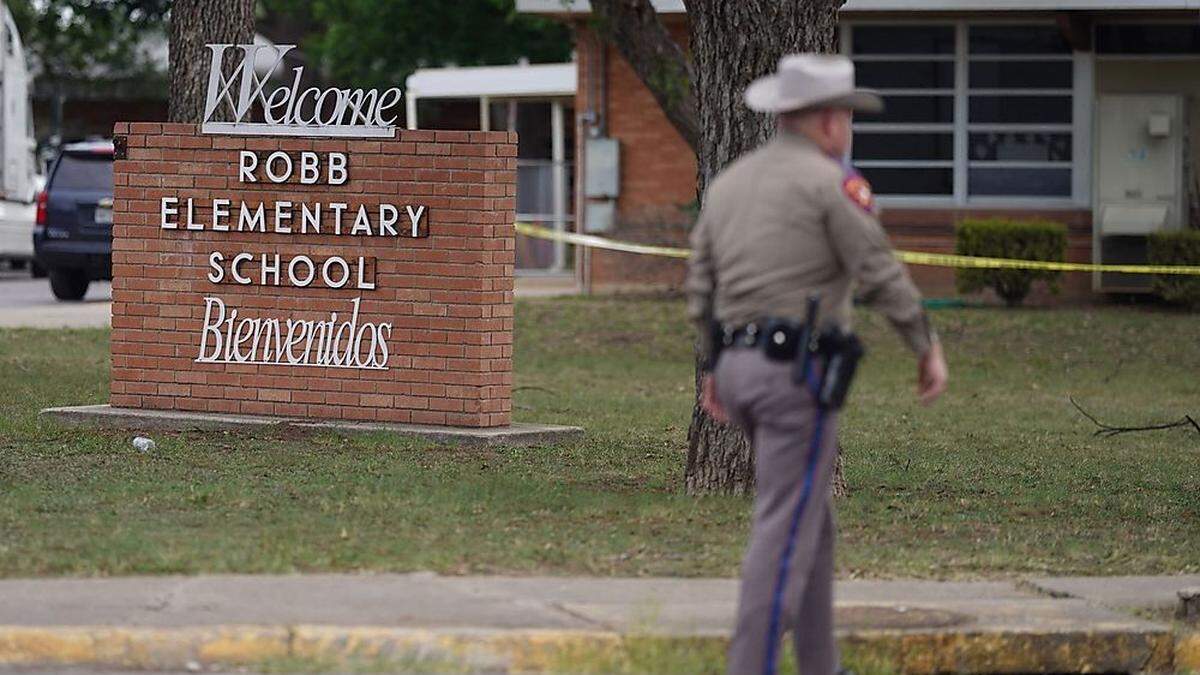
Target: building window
<point>1148,38</point>
<point>1019,103</point>
<point>909,148</point>
<point>972,111</point>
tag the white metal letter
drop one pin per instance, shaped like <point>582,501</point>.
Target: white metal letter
<point>312,271</point>
<point>169,209</point>
<point>340,262</point>
<point>218,273</point>
<point>415,218</point>
<point>235,268</point>
<point>211,328</point>
<point>308,168</point>
<point>220,209</point>
<point>287,162</point>
<point>247,163</point>
<point>337,168</point>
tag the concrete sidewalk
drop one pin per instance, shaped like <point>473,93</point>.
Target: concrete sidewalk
<point>523,624</point>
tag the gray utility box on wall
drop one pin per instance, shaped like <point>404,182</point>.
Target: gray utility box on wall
<point>601,183</point>
<point>1139,182</point>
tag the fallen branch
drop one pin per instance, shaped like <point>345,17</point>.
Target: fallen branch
<point>534,387</point>
<point>1108,430</point>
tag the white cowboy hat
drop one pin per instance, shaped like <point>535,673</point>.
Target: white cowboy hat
<point>810,81</point>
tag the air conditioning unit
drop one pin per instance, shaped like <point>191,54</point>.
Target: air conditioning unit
<point>1139,182</point>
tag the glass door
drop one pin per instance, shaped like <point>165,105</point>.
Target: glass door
<point>545,153</point>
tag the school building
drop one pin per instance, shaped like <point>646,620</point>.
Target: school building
<point>1082,114</point>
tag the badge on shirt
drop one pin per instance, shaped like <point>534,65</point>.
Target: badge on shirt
<point>859,191</point>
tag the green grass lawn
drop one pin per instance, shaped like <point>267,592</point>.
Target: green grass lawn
<point>1003,477</point>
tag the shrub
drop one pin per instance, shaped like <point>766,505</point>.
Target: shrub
<point>1003,238</point>
<point>1180,247</point>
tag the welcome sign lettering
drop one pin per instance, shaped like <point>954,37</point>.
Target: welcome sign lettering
<point>307,276</point>
<point>227,338</point>
<point>289,109</point>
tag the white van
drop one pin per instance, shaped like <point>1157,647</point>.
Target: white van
<point>20,180</point>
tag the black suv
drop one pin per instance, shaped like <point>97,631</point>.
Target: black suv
<point>72,236</point>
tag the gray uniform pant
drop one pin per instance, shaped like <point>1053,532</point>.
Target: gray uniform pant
<point>780,417</point>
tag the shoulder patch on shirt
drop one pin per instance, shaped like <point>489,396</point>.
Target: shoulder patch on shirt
<point>859,191</point>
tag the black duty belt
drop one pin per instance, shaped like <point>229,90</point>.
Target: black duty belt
<point>780,338</point>
<point>836,351</point>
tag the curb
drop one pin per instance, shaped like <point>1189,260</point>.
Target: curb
<point>139,647</point>
<point>551,650</point>
<point>1187,652</point>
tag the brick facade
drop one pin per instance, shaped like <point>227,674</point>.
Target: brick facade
<point>447,294</point>
<point>658,168</point>
<point>658,178</point>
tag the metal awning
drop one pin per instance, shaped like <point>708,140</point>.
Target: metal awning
<point>540,80</point>
<point>579,6</point>
<point>677,6</point>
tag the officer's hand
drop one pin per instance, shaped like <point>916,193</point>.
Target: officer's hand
<point>932,375</point>
<point>709,401</point>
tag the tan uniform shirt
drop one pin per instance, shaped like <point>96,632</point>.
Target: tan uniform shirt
<point>786,221</point>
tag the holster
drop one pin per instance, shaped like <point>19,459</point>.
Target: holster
<point>840,353</point>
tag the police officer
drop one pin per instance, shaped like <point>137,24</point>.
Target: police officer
<point>783,224</point>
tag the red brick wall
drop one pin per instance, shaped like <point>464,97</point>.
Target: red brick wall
<point>614,270</point>
<point>447,295</point>
<point>658,175</point>
<point>658,168</point>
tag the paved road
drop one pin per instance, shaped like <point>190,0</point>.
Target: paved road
<point>28,303</point>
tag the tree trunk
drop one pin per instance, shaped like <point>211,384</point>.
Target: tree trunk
<point>633,26</point>
<point>732,43</point>
<point>194,24</point>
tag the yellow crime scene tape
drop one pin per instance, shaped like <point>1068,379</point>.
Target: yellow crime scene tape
<point>910,257</point>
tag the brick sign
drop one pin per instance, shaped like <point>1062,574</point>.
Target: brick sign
<point>310,277</point>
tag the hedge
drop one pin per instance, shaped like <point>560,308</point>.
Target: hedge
<point>1004,238</point>
<point>1181,247</point>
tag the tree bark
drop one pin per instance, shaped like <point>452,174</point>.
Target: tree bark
<point>733,43</point>
<point>194,24</point>
<point>633,27</point>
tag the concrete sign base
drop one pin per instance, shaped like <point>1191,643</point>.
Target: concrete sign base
<point>108,417</point>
